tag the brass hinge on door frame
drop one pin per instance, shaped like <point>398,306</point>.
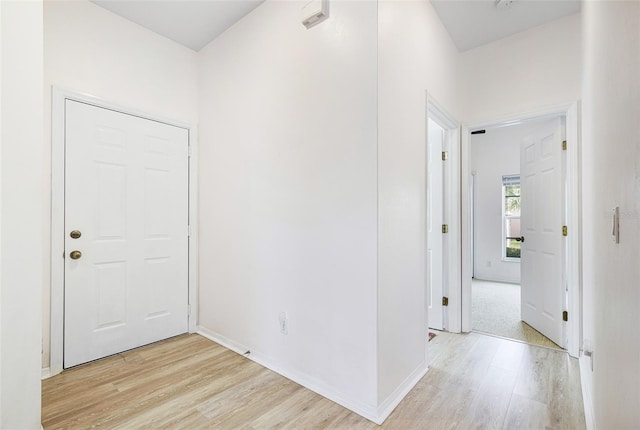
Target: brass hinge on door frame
<point>445,155</point>
<point>445,228</point>
<point>565,316</point>
<point>565,230</point>
<point>445,301</point>
<point>564,145</point>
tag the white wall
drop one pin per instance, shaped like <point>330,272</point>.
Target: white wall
<point>415,55</point>
<point>91,50</point>
<point>611,168</point>
<point>309,204</point>
<point>21,213</point>
<point>529,70</point>
<point>493,155</point>
<point>290,204</point>
<point>288,195</point>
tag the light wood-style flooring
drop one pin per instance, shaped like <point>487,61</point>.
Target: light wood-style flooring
<point>189,382</point>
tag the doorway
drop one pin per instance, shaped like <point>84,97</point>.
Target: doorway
<point>502,304</point>
<point>443,228</point>
<point>122,222</point>
<point>474,265</point>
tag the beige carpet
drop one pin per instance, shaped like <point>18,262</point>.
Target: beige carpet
<point>495,309</point>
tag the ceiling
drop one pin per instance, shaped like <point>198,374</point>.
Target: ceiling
<point>471,23</point>
<point>192,23</point>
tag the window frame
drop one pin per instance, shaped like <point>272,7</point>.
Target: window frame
<point>506,181</point>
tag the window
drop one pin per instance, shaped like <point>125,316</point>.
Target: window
<point>511,235</point>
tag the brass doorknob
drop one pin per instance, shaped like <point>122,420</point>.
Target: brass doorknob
<point>75,255</point>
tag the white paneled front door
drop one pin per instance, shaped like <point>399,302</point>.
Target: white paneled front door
<point>126,232</point>
<point>542,256</point>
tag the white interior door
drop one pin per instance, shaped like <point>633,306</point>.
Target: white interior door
<point>435,208</point>
<point>542,256</point>
<point>126,193</point>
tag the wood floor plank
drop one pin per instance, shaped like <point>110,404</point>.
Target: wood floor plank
<point>191,383</point>
<point>472,368</point>
<point>509,355</point>
<point>414,409</point>
<point>324,414</point>
<point>116,408</point>
<point>534,374</point>
<point>565,396</point>
<point>525,413</point>
<point>491,403</point>
<point>167,391</point>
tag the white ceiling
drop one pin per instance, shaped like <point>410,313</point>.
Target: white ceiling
<point>192,23</point>
<point>472,23</point>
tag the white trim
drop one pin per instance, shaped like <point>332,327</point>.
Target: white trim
<point>574,239</point>
<point>45,373</point>
<point>193,229</point>
<point>367,411</point>
<point>59,95</point>
<point>451,272</point>
<point>574,260</point>
<point>388,406</point>
<point>466,232</point>
<point>587,389</point>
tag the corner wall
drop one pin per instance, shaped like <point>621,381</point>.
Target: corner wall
<point>288,195</point>
<point>611,169</point>
<point>298,116</point>
<point>21,213</point>
<point>415,55</point>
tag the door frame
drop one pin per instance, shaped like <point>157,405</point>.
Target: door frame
<point>451,214</point>
<point>573,215</point>
<point>58,117</point>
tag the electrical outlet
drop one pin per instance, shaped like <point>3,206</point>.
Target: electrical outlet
<point>284,323</point>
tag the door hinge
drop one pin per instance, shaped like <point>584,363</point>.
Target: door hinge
<point>565,316</point>
<point>564,145</point>
<point>445,301</point>
<point>564,230</point>
<point>445,155</point>
<point>445,228</point>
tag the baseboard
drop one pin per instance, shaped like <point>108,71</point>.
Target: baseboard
<point>586,384</point>
<point>366,411</point>
<point>45,373</point>
<point>221,340</point>
<point>391,402</point>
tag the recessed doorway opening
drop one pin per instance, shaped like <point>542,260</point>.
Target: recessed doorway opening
<point>518,180</point>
